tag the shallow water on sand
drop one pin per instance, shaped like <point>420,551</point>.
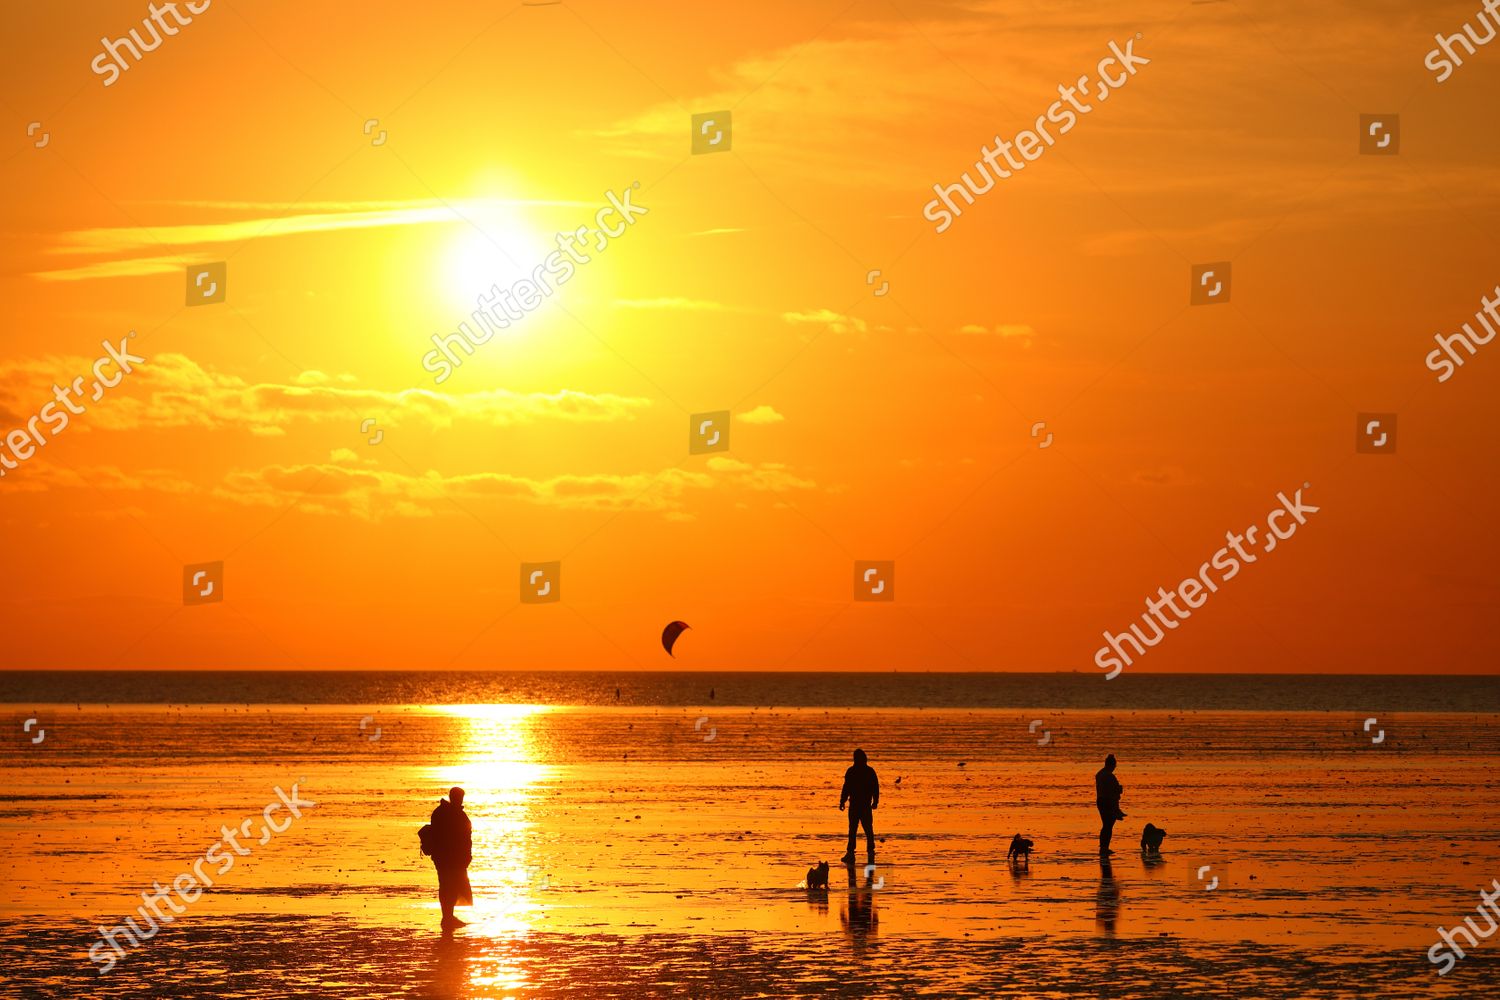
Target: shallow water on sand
<point>656,851</point>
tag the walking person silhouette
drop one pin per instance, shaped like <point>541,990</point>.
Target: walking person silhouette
<point>450,843</point>
<point>1107,791</point>
<point>862,794</point>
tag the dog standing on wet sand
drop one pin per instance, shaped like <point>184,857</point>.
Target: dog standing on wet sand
<point>817,876</point>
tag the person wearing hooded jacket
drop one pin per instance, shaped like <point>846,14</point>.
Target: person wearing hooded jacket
<point>862,794</point>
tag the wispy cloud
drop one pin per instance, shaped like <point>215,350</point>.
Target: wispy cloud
<point>1020,333</point>
<point>175,391</point>
<point>762,414</point>
<point>677,304</point>
<point>835,321</point>
<point>259,221</point>
<point>345,485</point>
<point>128,268</point>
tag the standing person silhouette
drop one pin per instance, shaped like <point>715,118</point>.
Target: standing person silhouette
<point>1107,791</point>
<point>862,793</point>
<point>452,850</point>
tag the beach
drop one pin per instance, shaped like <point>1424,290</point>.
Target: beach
<point>660,851</point>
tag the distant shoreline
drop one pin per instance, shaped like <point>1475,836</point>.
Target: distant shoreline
<point>1368,694</point>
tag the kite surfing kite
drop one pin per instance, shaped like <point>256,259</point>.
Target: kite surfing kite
<point>670,633</point>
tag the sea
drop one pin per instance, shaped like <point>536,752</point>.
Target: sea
<point>649,834</point>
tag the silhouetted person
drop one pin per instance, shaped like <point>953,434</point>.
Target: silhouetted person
<point>452,845</point>
<point>1107,792</point>
<point>862,793</point>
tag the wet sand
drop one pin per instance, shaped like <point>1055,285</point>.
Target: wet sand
<point>645,852</point>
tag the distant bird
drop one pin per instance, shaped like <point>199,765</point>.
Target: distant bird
<point>670,633</point>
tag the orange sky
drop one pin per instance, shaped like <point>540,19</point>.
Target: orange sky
<point>866,427</point>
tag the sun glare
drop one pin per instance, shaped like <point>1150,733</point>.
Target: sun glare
<point>497,770</point>
<point>492,244</point>
<point>498,758</point>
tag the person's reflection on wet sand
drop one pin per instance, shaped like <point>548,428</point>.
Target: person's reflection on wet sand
<point>1107,899</point>
<point>858,915</point>
<point>448,972</point>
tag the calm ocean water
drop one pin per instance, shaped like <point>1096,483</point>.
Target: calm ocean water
<point>1176,692</point>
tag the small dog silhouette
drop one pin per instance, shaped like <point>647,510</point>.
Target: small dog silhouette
<point>817,876</point>
<point>1151,838</point>
<point>1020,849</point>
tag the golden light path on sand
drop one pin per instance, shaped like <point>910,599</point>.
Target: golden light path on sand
<point>499,765</point>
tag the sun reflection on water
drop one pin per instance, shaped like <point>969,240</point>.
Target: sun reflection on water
<point>496,762</point>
